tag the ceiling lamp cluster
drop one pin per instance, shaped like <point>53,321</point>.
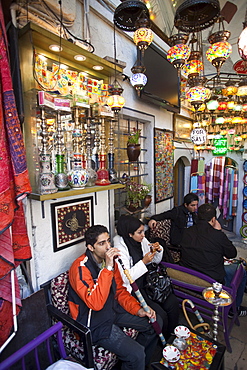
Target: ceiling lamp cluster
<point>133,15</point>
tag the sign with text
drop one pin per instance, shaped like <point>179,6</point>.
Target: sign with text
<point>220,145</point>
<point>198,136</point>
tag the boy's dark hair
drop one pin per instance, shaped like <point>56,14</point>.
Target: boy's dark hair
<point>91,235</point>
<point>206,212</point>
<point>189,198</point>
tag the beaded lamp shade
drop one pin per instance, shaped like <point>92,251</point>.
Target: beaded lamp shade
<point>178,55</point>
<point>193,67</point>
<point>143,37</point>
<point>196,15</point>
<point>197,95</point>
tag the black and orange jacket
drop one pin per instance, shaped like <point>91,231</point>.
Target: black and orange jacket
<point>95,296</point>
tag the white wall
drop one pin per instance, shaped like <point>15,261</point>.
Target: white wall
<point>46,263</point>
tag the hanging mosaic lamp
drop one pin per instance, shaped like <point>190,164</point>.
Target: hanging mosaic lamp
<point>219,120</point>
<point>242,40</point>
<point>242,89</point>
<point>230,104</point>
<point>179,53</point>
<point>220,48</point>
<point>197,95</point>
<point>138,79</point>
<point>115,101</point>
<point>212,104</point>
<point>230,89</point>
<point>143,36</point>
<point>222,106</point>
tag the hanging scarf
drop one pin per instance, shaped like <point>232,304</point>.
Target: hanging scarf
<point>14,186</point>
<point>128,225</point>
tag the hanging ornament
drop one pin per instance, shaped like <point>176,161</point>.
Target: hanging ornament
<point>143,36</point>
<point>179,53</point>
<point>138,80</point>
<point>242,41</point>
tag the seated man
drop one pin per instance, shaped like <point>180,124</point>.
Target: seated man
<point>98,299</point>
<point>203,248</point>
<point>181,218</point>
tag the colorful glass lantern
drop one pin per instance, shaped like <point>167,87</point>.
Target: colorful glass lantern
<point>222,106</point>
<point>236,120</point>
<point>231,89</point>
<point>220,49</point>
<point>193,67</point>
<point>115,100</point>
<point>242,89</point>
<point>244,107</point>
<point>217,53</point>
<point>143,36</point>
<point>219,120</point>
<point>212,104</point>
<point>230,104</point>
<point>242,41</point>
<point>138,80</point>
<point>238,107</point>
<point>179,53</point>
<point>196,95</point>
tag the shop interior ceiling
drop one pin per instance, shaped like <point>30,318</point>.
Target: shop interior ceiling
<point>164,10</point>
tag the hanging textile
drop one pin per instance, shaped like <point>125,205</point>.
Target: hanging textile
<point>14,186</point>
<point>235,194</point>
<point>226,193</point>
<point>218,179</point>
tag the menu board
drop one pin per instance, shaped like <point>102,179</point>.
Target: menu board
<point>163,164</point>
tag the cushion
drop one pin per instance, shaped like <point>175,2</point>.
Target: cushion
<point>187,278</point>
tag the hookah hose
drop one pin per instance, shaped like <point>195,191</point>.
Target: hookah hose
<point>203,324</point>
<point>142,302</point>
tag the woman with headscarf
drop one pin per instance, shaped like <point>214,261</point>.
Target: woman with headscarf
<point>136,254</point>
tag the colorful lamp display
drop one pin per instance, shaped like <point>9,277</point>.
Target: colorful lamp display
<point>193,67</point>
<point>196,95</point>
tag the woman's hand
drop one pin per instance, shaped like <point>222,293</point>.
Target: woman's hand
<point>148,257</point>
<point>155,247</point>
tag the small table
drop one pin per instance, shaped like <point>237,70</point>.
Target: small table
<point>218,359</point>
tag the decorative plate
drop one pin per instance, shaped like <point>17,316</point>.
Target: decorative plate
<point>245,165</point>
<point>245,203</point>
<point>243,231</point>
<point>171,354</point>
<point>245,178</point>
<point>245,191</point>
<point>244,217</point>
<point>182,332</point>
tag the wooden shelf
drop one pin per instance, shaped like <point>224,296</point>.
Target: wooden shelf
<point>73,192</point>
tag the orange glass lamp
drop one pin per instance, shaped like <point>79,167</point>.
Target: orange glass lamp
<point>143,36</point>
<point>179,53</point>
<point>115,100</point>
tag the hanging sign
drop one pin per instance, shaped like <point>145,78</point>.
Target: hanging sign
<point>220,146</point>
<point>240,67</point>
<point>198,136</point>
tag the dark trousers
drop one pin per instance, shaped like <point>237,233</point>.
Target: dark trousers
<point>167,310</point>
<point>134,354</point>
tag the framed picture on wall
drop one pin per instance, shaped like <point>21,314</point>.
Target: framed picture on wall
<point>163,164</point>
<point>70,220</point>
<point>182,127</point>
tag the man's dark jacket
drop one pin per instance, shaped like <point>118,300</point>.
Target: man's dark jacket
<point>178,216</point>
<point>203,249</point>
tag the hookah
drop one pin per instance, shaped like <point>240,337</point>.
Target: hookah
<point>102,173</point>
<point>97,144</point>
<point>92,175</point>
<point>218,297</point>
<point>78,176</point>
<point>61,178</point>
<point>112,172</point>
<point>47,178</point>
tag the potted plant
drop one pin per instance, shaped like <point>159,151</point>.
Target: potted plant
<point>136,195</point>
<point>133,146</point>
